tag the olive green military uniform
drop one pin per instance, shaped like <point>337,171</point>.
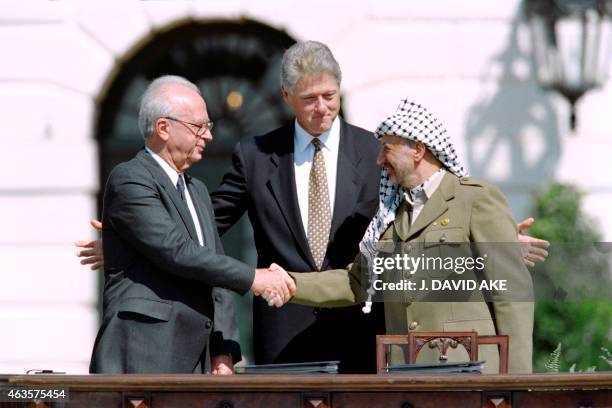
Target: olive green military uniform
<point>461,210</point>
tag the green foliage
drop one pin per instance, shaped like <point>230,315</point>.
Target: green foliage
<point>606,356</point>
<point>554,360</point>
<point>583,327</point>
<point>572,286</point>
<point>590,369</point>
<point>559,218</point>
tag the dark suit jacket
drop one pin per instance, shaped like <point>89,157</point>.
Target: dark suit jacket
<point>262,182</point>
<point>159,305</point>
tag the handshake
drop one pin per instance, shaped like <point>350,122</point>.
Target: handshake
<point>274,285</point>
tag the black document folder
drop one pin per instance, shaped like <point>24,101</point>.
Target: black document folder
<point>316,367</point>
<point>474,367</point>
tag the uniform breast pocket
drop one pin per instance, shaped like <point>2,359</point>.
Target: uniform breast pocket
<point>386,247</point>
<point>443,249</point>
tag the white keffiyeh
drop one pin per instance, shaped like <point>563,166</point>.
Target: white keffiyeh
<point>413,122</point>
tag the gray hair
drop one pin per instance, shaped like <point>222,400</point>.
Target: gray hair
<point>308,57</point>
<point>155,104</point>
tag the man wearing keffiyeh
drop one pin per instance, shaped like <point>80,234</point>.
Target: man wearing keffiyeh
<point>426,197</point>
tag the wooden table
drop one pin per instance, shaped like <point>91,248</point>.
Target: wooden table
<point>322,391</point>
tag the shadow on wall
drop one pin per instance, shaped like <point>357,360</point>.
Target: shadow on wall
<point>512,135</point>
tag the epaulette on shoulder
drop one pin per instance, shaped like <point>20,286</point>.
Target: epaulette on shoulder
<point>472,181</point>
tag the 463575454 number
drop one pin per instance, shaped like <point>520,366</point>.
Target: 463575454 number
<point>23,394</point>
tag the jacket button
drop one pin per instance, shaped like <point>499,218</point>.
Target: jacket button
<point>208,324</point>
<point>413,325</point>
<point>217,298</point>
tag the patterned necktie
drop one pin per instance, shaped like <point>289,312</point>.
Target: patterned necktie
<point>319,211</point>
<point>180,186</point>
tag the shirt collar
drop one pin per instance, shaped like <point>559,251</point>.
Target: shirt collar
<point>165,166</point>
<point>329,140</point>
<point>427,188</point>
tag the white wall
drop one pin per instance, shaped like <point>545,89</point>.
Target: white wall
<point>469,62</point>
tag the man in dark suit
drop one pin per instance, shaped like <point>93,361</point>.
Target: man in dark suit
<point>270,178</point>
<point>163,256</point>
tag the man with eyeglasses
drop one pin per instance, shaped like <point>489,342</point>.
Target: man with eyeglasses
<point>197,130</point>
<point>164,309</point>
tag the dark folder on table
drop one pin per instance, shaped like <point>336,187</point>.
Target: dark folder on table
<point>474,367</point>
<point>316,367</point>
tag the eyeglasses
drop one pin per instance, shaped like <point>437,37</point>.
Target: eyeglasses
<point>201,129</point>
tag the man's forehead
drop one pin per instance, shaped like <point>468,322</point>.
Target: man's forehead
<point>187,99</point>
<point>182,92</point>
<point>315,82</point>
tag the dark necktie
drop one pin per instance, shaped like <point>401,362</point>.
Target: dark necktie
<point>403,220</point>
<point>180,186</point>
<point>319,212</point>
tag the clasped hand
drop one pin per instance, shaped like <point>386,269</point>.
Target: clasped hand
<point>274,285</point>
<point>533,249</point>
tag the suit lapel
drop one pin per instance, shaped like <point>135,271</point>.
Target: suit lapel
<point>282,186</point>
<point>347,178</point>
<point>435,206</point>
<point>162,178</point>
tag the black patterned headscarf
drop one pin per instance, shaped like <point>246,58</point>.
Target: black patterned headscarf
<point>413,122</point>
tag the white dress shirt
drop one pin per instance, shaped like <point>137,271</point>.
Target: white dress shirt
<point>174,178</point>
<point>422,193</point>
<point>303,153</point>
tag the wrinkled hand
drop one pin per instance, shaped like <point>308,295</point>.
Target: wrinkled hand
<point>274,280</point>
<point>532,249</point>
<point>222,364</point>
<point>273,298</point>
<point>92,252</point>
